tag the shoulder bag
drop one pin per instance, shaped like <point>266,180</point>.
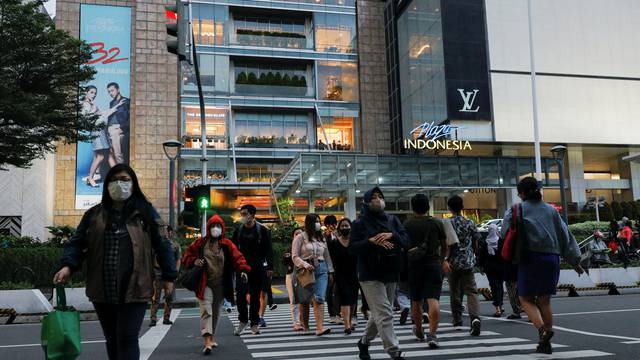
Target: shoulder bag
<point>306,278</point>
<point>512,241</point>
<point>192,275</point>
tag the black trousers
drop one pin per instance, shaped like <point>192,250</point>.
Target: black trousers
<point>333,307</point>
<point>496,284</point>
<point>121,326</point>
<point>253,288</point>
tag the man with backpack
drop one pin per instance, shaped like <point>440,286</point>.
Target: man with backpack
<point>427,250</point>
<point>254,242</point>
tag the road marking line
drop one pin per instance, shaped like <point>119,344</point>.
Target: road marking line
<point>379,347</point>
<point>33,345</point>
<point>556,355</point>
<point>596,312</point>
<point>291,335</point>
<point>631,342</point>
<point>555,327</point>
<point>424,353</point>
<point>152,338</point>
<point>286,343</point>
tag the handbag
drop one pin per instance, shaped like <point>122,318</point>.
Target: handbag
<point>60,334</point>
<point>512,241</point>
<point>192,276</point>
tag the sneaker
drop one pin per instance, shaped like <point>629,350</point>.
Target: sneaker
<point>228,310</point>
<point>262,323</point>
<point>457,326</point>
<point>273,306</point>
<point>153,323</point>
<point>397,356</point>
<point>364,351</point>
<point>240,329</point>
<point>167,322</point>
<point>425,318</point>
<point>403,316</point>
<point>419,333</point>
<point>544,345</point>
<point>432,341</point>
<point>514,317</point>
<point>475,327</point>
<point>255,330</point>
<point>332,320</point>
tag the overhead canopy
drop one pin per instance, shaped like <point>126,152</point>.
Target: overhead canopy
<point>331,174</point>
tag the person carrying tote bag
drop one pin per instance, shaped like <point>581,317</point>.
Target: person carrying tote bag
<point>60,333</point>
<point>311,253</point>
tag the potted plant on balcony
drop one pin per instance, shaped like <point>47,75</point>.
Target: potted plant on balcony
<point>242,78</point>
<point>286,80</point>
<point>263,79</point>
<point>252,79</point>
<point>270,79</point>
<point>277,80</point>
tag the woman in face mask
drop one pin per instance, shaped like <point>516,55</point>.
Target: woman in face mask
<point>309,251</point>
<point>118,239</point>
<point>346,276</point>
<point>221,258</point>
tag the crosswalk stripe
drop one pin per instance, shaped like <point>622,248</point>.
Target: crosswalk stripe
<point>457,351</point>
<point>346,340</point>
<point>378,347</point>
<point>556,355</point>
<point>290,335</point>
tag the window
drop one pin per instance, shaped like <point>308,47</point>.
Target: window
<point>339,133</point>
<point>335,32</point>
<point>209,23</point>
<point>269,31</point>
<point>272,129</point>
<point>214,74</point>
<point>272,79</point>
<point>338,80</point>
<point>216,119</point>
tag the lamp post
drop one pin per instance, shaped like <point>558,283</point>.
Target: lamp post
<point>172,151</point>
<point>597,200</point>
<point>559,152</point>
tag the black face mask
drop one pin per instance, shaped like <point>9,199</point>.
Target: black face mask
<point>345,232</point>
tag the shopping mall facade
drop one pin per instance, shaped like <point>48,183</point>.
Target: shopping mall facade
<point>315,101</point>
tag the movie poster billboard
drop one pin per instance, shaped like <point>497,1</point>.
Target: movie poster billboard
<point>108,30</point>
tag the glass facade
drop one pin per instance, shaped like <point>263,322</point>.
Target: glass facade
<point>335,32</point>
<point>216,119</point>
<point>271,31</point>
<point>209,24</point>
<point>338,81</point>
<point>339,132</point>
<point>273,79</point>
<point>272,129</point>
<point>214,74</point>
<point>421,65</point>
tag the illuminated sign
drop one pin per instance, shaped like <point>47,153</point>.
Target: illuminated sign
<point>435,137</point>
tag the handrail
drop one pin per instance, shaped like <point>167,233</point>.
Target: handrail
<point>585,242</point>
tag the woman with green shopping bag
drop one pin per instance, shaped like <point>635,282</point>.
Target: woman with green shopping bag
<point>118,238</point>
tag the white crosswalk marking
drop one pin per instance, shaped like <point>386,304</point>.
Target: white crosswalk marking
<point>279,341</point>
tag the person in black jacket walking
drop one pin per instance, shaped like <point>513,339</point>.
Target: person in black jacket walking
<point>378,238</point>
<point>254,242</point>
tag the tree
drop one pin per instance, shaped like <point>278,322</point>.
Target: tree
<point>606,212</point>
<point>41,69</point>
<point>627,210</point>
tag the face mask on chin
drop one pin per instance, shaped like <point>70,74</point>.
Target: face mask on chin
<point>120,190</point>
<point>377,205</point>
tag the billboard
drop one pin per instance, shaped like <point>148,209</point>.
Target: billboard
<point>108,30</point>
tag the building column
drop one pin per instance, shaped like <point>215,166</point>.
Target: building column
<point>312,205</point>
<point>350,210</point>
<point>634,167</point>
<point>577,184</point>
<point>509,196</point>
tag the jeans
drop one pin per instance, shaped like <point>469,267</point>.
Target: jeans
<point>253,287</point>
<point>380,299</point>
<point>322,280</point>
<point>121,326</point>
<point>463,280</point>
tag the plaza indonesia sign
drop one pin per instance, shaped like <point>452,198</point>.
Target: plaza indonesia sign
<point>435,137</point>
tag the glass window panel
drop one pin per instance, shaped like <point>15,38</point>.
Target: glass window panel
<point>338,80</point>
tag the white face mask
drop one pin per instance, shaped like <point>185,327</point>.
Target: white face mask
<point>216,231</point>
<point>377,205</point>
<point>318,226</point>
<point>120,190</point>
<point>244,220</point>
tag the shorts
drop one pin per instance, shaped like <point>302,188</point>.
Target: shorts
<point>425,283</point>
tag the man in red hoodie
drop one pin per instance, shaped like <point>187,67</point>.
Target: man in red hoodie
<point>220,258</point>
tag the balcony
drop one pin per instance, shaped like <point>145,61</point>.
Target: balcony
<point>249,37</point>
<point>270,84</point>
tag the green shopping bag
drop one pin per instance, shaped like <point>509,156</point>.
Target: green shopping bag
<point>61,330</point>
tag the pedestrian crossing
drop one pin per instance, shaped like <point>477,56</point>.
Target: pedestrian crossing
<point>279,341</point>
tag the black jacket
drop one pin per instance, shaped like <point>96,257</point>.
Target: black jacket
<point>255,252</point>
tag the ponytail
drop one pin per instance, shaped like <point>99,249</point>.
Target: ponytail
<point>530,189</point>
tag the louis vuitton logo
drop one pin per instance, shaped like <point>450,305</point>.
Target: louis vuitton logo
<point>468,97</point>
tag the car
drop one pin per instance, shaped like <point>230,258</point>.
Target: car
<point>484,227</point>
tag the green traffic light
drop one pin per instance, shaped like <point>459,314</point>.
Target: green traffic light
<point>203,203</point>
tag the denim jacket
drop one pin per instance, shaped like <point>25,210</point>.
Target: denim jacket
<point>545,231</point>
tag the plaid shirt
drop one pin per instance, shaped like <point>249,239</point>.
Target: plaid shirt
<point>116,232</point>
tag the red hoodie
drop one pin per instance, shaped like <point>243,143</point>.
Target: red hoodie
<point>231,252</point>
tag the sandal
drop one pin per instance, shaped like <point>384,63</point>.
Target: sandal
<point>325,332</point>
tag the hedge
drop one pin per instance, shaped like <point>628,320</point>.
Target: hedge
<point>44,261</point>
<point>583,230</point>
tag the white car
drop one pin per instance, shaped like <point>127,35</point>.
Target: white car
<point>484,227</point>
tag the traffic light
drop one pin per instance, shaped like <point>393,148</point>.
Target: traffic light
<point>203,202</point>
<point>175,16</point>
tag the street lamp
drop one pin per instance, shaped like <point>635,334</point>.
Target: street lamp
<point>172,151</point>
<point>559,152</point>
<point>597,201</point>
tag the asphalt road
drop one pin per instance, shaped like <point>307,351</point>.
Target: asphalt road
<point>594,327</point>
